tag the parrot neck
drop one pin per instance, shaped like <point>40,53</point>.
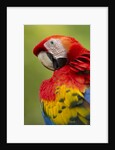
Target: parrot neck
<point>71,78</point>
<point>62,71</point>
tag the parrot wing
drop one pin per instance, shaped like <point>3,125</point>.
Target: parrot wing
<point>82,63</point>
<point>87,95</point>
<point>69,107</point>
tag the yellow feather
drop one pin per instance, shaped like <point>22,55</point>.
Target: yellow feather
<point>60,110</point>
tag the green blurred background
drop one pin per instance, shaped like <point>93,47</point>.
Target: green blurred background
<point>34,72</point>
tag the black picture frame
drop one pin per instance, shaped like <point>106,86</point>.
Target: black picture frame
<point>3,28</point>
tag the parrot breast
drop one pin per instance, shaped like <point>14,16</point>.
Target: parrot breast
<point>62,97</point>
<point>60,77</point>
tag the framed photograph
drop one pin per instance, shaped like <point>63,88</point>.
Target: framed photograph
<point>71,105</point>
<point>57,101</point>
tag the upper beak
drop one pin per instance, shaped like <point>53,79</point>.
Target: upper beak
<point>47,58</point>
<point>51,63</point>
<point>41,52</point>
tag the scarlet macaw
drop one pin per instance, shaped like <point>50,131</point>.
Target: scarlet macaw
<point>65,97</point>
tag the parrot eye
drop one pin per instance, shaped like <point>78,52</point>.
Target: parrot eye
<point>55,47</point>
<point>52,42</point>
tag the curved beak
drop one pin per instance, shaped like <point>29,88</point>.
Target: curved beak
<point>50,62</point>
<point>47,58</point>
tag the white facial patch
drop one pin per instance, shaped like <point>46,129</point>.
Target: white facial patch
<point>55,47</point>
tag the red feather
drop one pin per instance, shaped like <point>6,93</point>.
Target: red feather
<point>81,63</point>
<point>75,74</point>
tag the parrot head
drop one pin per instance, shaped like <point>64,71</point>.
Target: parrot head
<point>56,51</point>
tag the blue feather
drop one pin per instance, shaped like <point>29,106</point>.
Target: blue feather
<point>47,119</point>
<point>87,95</point>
